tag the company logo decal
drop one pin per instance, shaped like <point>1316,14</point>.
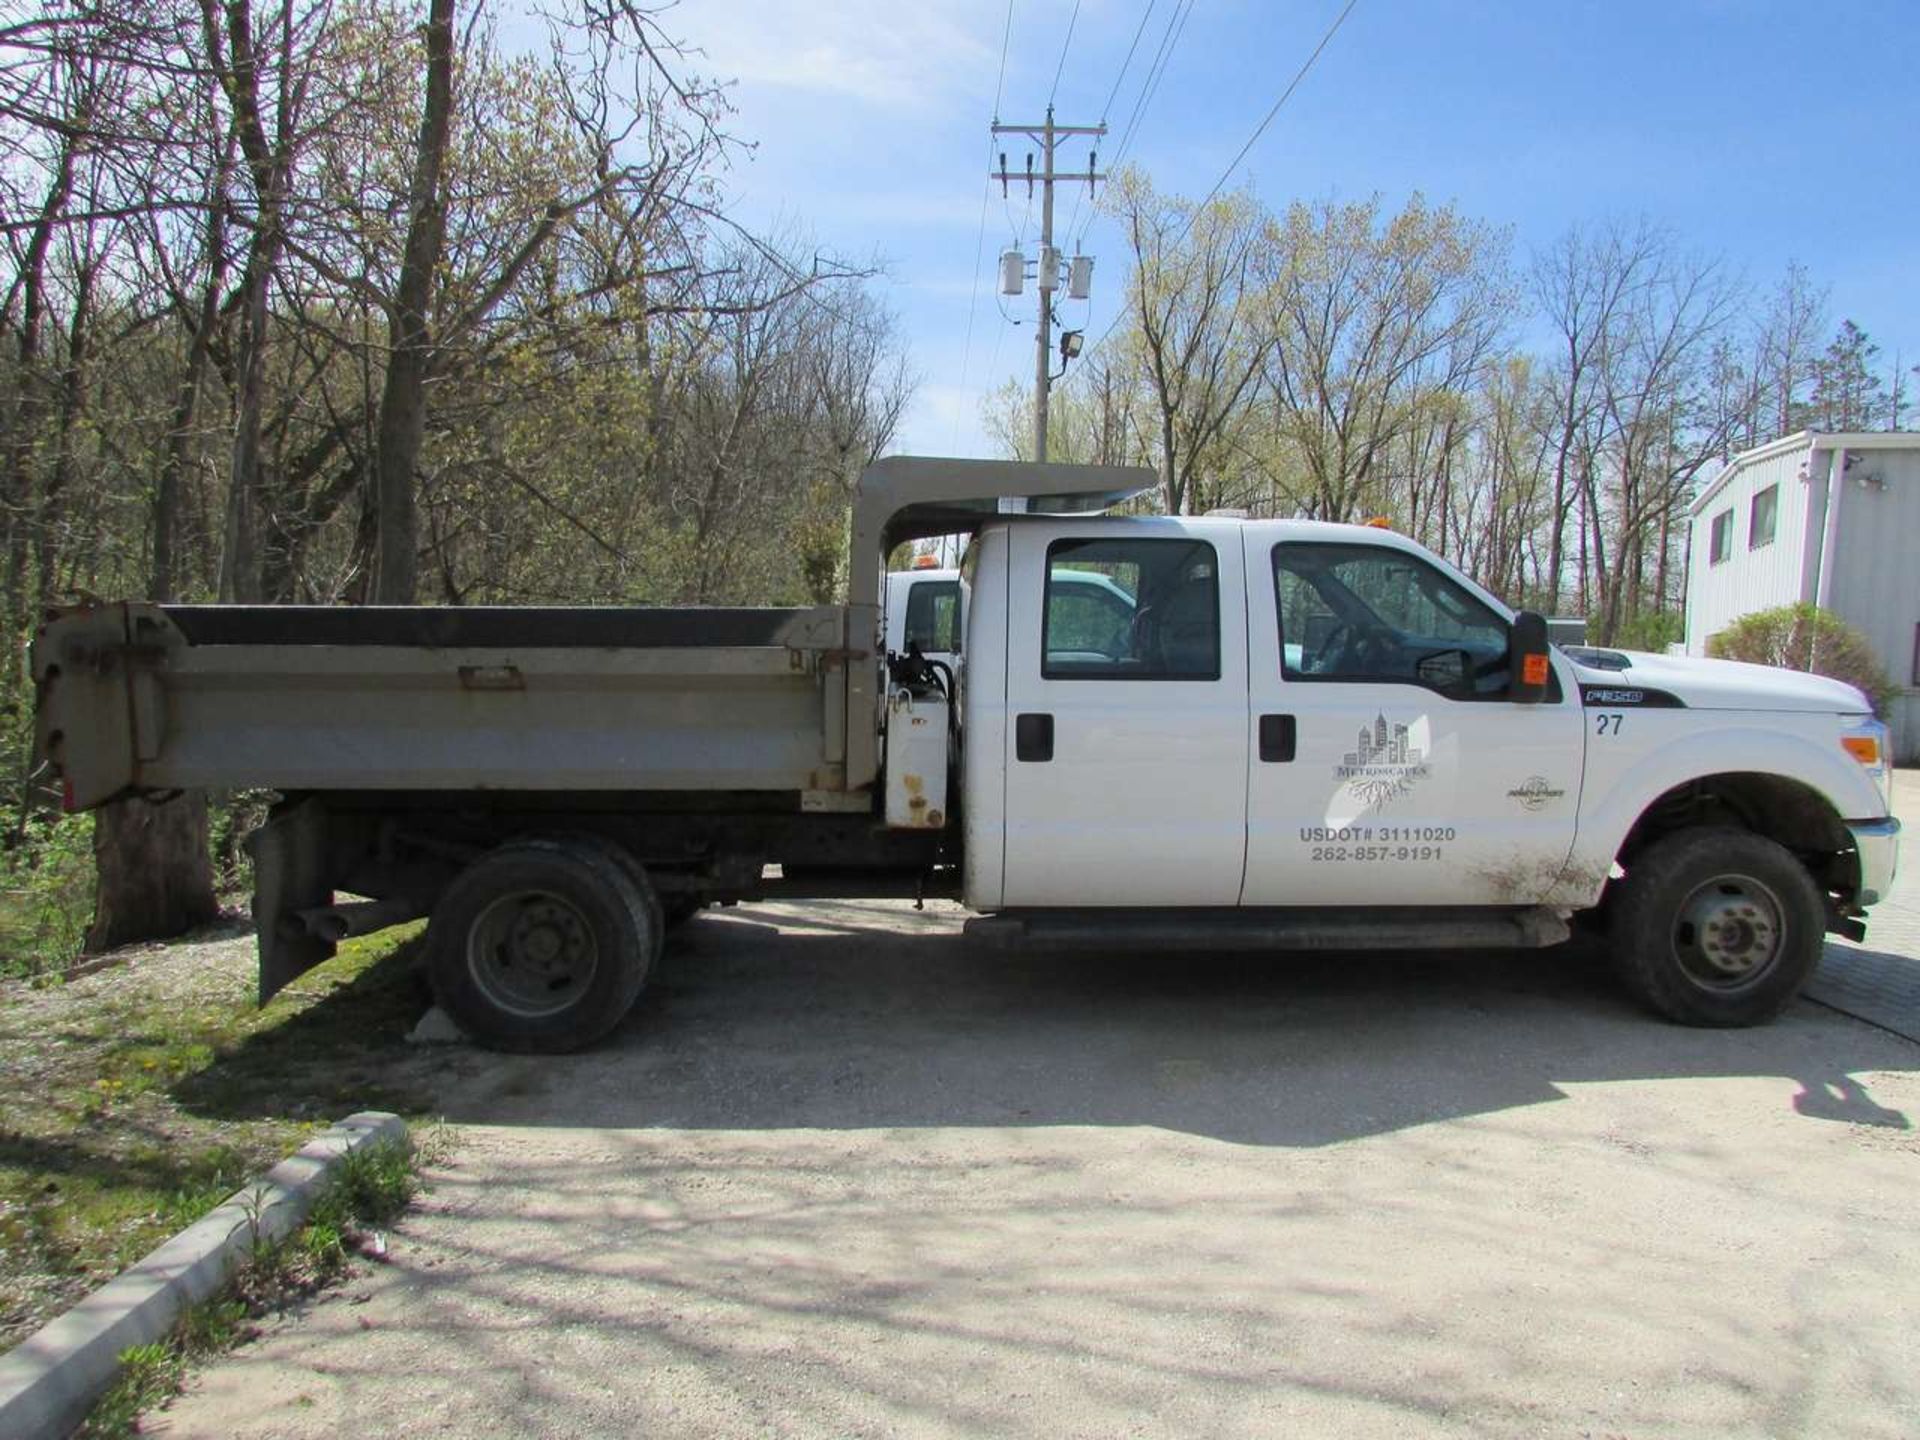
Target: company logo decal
<point>1535,793</point>
<point>1383,765</point>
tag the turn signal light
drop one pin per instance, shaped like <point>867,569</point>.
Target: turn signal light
<point>1535,670</point>
<point>1864,748</point>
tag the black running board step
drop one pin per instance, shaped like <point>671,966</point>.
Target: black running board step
<point>1458,928</point>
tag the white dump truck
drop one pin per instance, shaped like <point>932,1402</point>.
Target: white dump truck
<point>1205,733</point>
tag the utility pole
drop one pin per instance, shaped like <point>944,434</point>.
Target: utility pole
<point>1047,272</point>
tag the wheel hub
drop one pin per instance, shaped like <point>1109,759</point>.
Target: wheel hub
<point>532,953</point>
<point>1728,932</point>
<point>546,937</point>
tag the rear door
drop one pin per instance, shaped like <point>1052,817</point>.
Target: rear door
<point>1390,768</point>
<point>1126,764</point>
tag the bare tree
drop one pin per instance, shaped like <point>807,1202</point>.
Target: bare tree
<point>1373,316</point>
<point>1787,341</point>
<point>1585,284</point>
<point>1661,425</point>
<point>1194,322</point>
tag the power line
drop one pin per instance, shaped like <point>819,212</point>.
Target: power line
<point>986,198</point>
<point>1066,46</point>
<point>1252,140</point>
<point>1285,95</point>
<point>1081,197</point>
<point>1017,228</point>
<point>1138,31</point>
<point>999,86</point>
<point>1156,72</point>
<point>1169,39</point>
<point>973,301</point>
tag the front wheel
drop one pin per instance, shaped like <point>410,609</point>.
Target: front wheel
<point>1717,927</point>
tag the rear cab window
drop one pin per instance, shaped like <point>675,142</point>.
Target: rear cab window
<point>1131,609</point>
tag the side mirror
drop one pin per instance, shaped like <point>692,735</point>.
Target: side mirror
<point>1528,669</point>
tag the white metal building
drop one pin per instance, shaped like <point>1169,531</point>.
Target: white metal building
<point>1829,518</point>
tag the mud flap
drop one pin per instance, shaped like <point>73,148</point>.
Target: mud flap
<point>289,874</point>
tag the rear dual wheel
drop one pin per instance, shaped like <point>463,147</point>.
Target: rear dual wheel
<point>544,945</point>
<point>1717,926</point>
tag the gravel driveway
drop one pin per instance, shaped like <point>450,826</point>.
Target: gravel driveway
<point>842,1175</point>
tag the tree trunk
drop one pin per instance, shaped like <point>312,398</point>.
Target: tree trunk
<point>156,878</point>
<point>403,401</point>
<point>169,499</point>
<point>239,552</point>
<point>30,397</point>
<point>73,404</point>
<point>153,862</point>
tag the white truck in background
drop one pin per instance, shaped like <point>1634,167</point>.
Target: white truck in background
<point>1184,732</point>
<point>923,610</point>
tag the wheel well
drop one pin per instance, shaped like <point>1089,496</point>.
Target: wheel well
<point>1784,810</point>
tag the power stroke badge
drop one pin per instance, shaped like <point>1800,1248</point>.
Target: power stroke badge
<point>1535,793</point>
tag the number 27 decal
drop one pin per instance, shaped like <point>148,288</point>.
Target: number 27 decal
<point>1607,723</point>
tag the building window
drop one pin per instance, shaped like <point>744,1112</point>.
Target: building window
<point>1722,543</point>
<point>1766,509</point>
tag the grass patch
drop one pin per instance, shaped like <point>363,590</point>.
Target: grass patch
<point>368,1189</point>
<point>46,896</point>
<point>134,1100</point>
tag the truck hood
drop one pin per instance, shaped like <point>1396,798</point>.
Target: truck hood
<point>1719,684</point>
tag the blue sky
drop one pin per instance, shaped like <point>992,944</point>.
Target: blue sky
<point>1761,132</point>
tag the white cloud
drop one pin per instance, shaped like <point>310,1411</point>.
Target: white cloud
<point>946,420</point>
<point>910,56</point>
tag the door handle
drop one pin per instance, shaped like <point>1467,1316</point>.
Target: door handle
<point>1033,737</point>
<point>1278,738</point>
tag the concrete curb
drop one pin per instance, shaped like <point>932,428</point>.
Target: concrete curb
<point>52,1378</point>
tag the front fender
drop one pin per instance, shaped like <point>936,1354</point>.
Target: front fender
<point>1622,783</point>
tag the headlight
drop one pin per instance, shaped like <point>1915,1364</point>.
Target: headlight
<point>1871,744</point>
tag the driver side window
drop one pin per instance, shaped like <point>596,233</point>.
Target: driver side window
<point>1370,613</point>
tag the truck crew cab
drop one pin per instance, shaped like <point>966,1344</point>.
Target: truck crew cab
<point>1198,732</point>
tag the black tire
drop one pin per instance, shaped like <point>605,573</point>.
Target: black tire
<point>637,874</point>
<point>542,946</point>
<point>1717,927</point>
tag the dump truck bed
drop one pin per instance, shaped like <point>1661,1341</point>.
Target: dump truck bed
<point>158,697</point>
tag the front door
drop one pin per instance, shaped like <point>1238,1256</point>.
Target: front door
<point>1126,766</point>
<point>1394,770</point>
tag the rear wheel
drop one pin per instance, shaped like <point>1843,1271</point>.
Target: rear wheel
<point>1717,927</point>
<point>542,945</point>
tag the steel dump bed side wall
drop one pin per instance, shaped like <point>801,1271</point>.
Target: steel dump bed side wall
<point>303,698</point>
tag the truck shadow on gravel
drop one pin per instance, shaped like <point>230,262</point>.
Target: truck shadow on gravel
<point>837,1017</point>
<point>344,1052</point>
